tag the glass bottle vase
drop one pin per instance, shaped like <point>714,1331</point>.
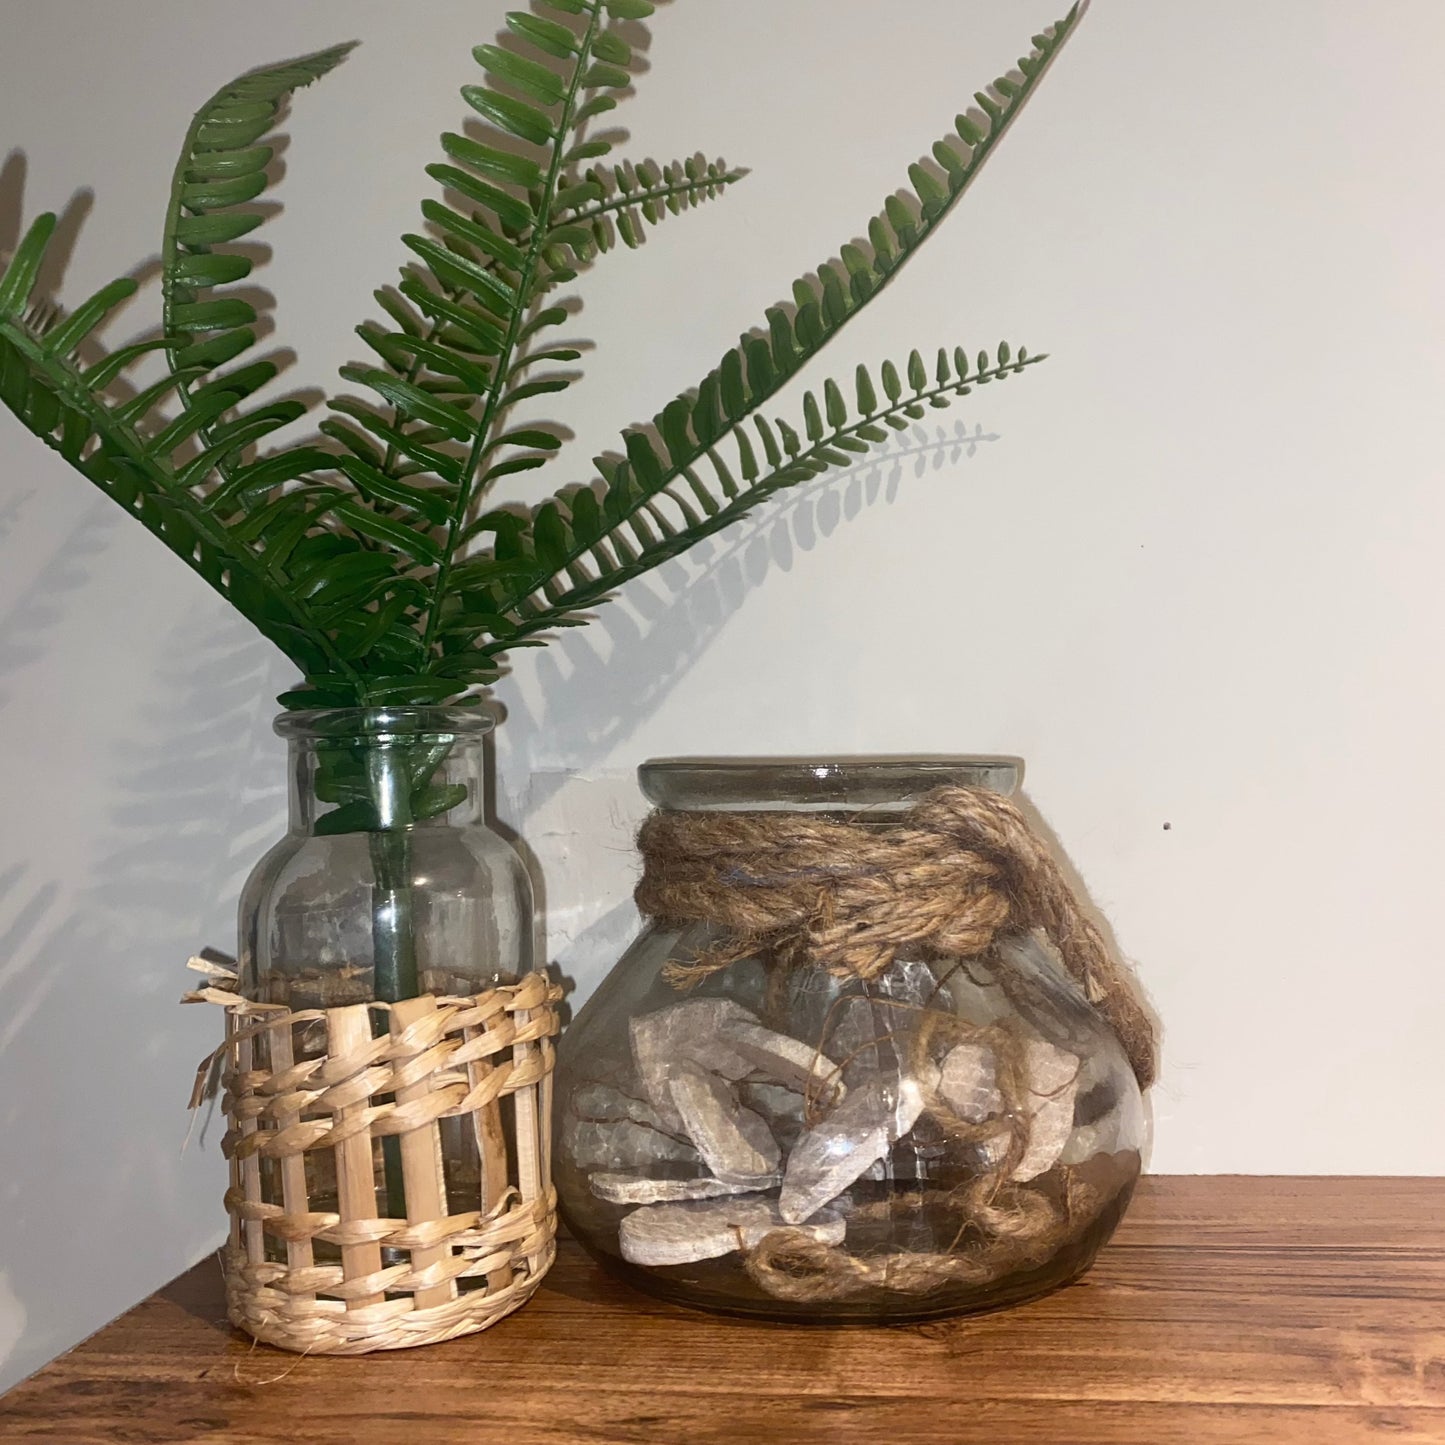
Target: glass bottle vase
<point>387,884</point>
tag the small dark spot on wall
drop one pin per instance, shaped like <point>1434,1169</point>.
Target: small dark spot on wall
<point>1168,826</point>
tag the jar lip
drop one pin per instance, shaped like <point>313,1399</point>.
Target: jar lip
<point>819,782</point>
<point>380,723</point>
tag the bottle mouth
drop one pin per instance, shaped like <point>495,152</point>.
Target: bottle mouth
<point>384,724</point>
<point>817,784</point>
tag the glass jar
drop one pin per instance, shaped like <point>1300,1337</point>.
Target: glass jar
<point>774,1138</point>
<point>387,885</point>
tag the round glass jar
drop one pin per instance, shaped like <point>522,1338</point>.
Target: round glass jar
<point>944,1135</point>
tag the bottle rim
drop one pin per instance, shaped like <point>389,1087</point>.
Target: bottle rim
<point>384,724</point>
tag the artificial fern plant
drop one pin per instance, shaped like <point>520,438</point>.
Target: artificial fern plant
<point>375,554</point>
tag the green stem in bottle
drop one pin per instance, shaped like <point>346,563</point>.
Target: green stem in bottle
<point>393,925</point>
<point>393,921</point>
<point>394,952</point>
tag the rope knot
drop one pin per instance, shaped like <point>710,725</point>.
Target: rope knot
<point>945,877</point>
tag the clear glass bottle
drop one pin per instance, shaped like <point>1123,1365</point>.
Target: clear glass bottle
<point>948,1136</point>
<point>388,884</point>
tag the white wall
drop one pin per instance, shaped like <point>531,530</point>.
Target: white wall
<point>1185,570</point>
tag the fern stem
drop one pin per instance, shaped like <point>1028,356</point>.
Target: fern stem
<point>393,943</point>
<point>503,363</point>
<point>393,930</point>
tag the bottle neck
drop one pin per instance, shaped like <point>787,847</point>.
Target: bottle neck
<point>384,781</point>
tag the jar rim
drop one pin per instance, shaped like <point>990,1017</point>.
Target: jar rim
<point>817,782</point>
<point>383,723</point>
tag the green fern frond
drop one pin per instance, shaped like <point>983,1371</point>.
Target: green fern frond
<point>359,555</point>
<point>262,533</point>
<point>693,424</point>
<point>464,351</point>
<point>222,169</point>
<point>596,539</point>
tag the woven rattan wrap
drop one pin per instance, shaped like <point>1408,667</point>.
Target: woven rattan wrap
<point>336,1275</point>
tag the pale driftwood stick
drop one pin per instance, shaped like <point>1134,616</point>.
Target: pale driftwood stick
<point>531,1179</point>
<point>421,1164</point>
<point>250,1165</point>
<point>546,1121</point>
<point>295,1195</point>
<point>234,1163</point>
<point>524,1102</point>
<point>350,1032</point>
<point>491,1150</point>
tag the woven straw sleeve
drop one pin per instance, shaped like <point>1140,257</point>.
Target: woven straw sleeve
<point>390,1165</point>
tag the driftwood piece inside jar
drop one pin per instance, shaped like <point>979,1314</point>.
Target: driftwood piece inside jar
<point>852,1137</point>
<point>659,1188</point>
<point>968,1082</point>
<point>1051,1075</point>
<point>671,1234</point>
<point>736,1143</point>
<point>686,1035</point>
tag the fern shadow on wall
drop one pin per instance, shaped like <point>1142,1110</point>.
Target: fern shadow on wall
<point>595,686</point>
<point>34,614</point>
<point>29,616</point>
<point>90,951</point>
<point>91,967</point>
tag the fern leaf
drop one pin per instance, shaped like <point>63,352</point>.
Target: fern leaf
<point>525,223</point>
<point>286,564</point>
<point>221,167</point>
<point>837,434</point>
<point>623,200</point>
<point>479,287</point>
<point>64,337</point>
<point>19,279</point>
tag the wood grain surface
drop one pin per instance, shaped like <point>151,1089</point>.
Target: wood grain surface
<point>1244,1310</point>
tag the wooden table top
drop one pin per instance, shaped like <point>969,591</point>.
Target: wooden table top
<point>1247,1310</point>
